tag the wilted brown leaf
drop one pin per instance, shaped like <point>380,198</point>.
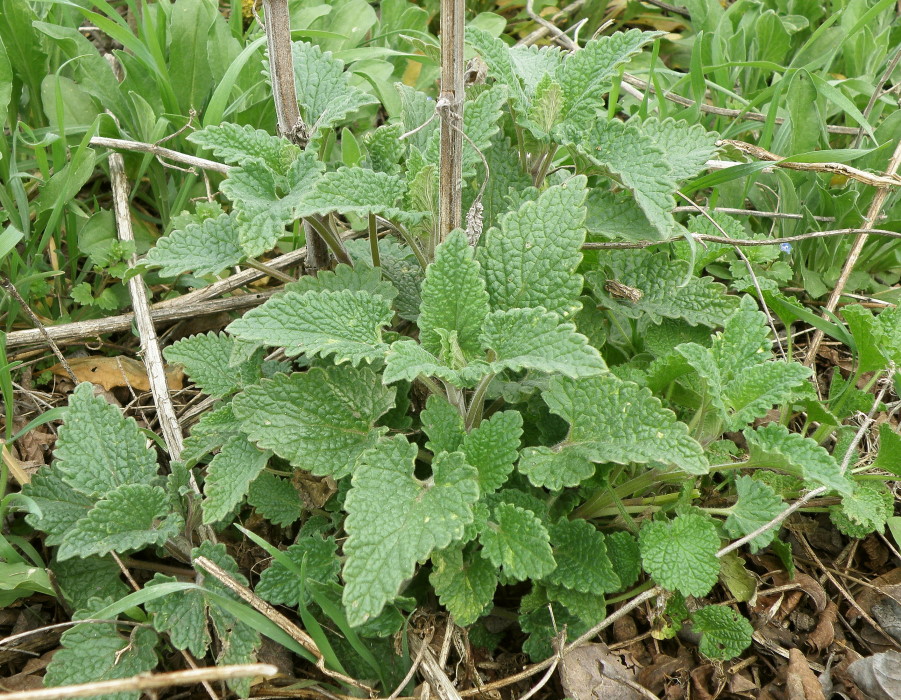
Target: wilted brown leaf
<point>592,672</point>
<point>878,676</point>
<point>111,372</point>
<point>824,633</point>
<point>800,681</point>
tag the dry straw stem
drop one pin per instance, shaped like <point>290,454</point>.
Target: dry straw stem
<point>450,104</point>
<point>147,682</point>
<point>872,216</point>
<point>431,670</point>
<point>617,245</point>
<point>160,152</point>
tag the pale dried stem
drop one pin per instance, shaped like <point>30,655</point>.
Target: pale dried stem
<point>431,670</point>
<point>559,35</point>
<point>147,682</point>
<point>543,30</point>
<point>450,107</point>
<point>872,216</point>
<point>747,242</point>
<point>160,152</point>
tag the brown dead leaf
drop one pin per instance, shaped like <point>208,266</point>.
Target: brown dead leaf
<point>824,633</point>
<point>666,669</point>
<point>592,672</point>
<point>878,676</point>
<point>111,372</point>
<point>314,491</point>
<point>800,681</point>
<point>887,584</point>
<point>706,682</point>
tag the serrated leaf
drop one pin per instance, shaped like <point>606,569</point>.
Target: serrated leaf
<point>517,541</point>
<point>889,457</point>
<point>681,553</point>
<point>481,121</point>
<point>91,577</point>
<point>205,248</point>
<point>661,281</point>
<point>322,420</point>
<point>209,434</point>
<point>492,448</point>
<point>533,63</point>
<point>590,608</point>
<point>616,215</point>
<point>464,583</point>
<point>395,520</point>
<point>233,143</point>
<point>406,360</point>
<point>385,148</point>
<point>582,561</point>
<point>869,338</point>
<point>546,108</point>
<point>622,548</point>
<point>229,475</point>
<point>357,191</point>
<point>130,517</point>
<point>318,556</point>
<point>531,260</point>
<point>687,146</point>
<point>757,505</point>
<point>442,424</point>
<point>724,633</point>
<point>99,449</point>
<point>61,505</point>
<point>359,278</point>
<point>206,359</point>
<point>453,297</point>
<point>555,467</point>
<point>275,499</point>
<point>612,420</point>
<point>182,616</point>
<point>323,88</point>
<point>536,339</point>
<point>496,55</point>
<point>345,324</point>
<point>97,652</point>
<point>759,388</point>
<point>868,506</point>
<point>627,154</point>
<point>773,446</point>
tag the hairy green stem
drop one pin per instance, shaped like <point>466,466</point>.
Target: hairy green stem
<point>477,403</point>
<point>331,240</point>
<point>271,271</point>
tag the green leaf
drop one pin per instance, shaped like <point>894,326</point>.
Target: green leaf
<point>516,541</point>
<point>582,561</point>
<point>687,146</point>
<point>681,553</point>
<point>757,505</point>
<point>209,434</point>
<point>406,360</point>
<point>626,153</point>
<point>281,586</point>
<point>664,292</point>
<point>869,338</point>
<point>531,261</point>
<point>97,652</point>
<point>99,449</point>
<point>453,297</point>
<point>235,144</point>
<point>229,476</point>
<point>345,324</point>
<point>889,457</point>
<point>464,583</point>
<point>536,339</point>
<point>869,507</point>
<point>275,499</point>
<point>205,248</point>
<point>182,616</point>
<point>555,467</point>
<point>590,608</point>
<point>323,88</point>
<point>132,516</point>
<point>546,108</point>
<point>481,121</point>
<point>442,424</point>
<point>322,420</point>
<point>587,75</point>
<point>724,633</point>
<point>357,191</point>
<point>622,548</point>
<point>395,520</point>
<point>61,506</point>
<point>497,57</point>
<point>206,359</point>
<point>359,278</point>
<point>773,446</point>
<point>91,577</point>
<point>612,420</point>
<point>492,448</point>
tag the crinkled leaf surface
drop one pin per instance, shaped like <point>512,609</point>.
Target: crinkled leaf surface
<point>130,517</point>
<point>91,577</point>
<point>582,561</point>
<point>687,146</point>
<point>612,420</point>
<point>61,505</point>
<point>235,144</point>
<point>622,548</point>
<point>536,339</point>
<point>275,499</point>
<point>229,475</point>
<point>362,277</point>
<point>323,88</point>
<point>358,191</point>
<point>555,467</point>
<point>442,424</point>
<point>318,556</point>
<point>395,520</point>
<point>497,57</point>
<point>406,360</point>
<point>664,294</point>
<point>531,260</point>
<point>344,323</point>
<point>757,504</point>
<point>517,541</point>
<point>681,553</point>
<point>182,616</point>
<point>774,446</point>
<point>205,248</point>
<point>724,633</point>
<point>453,297</point>
<point>97,652</point>
<point>492,448</point>
<point>321,420</point>
<point>464,583</point>
<point>206,359</point>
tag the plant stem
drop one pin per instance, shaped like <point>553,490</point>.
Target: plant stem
<point>413,245</point>
<point>331,240</point>
<point>477,403</point>
<point>374,242</point>
<point>271,271</point>
<point>450,108</point>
